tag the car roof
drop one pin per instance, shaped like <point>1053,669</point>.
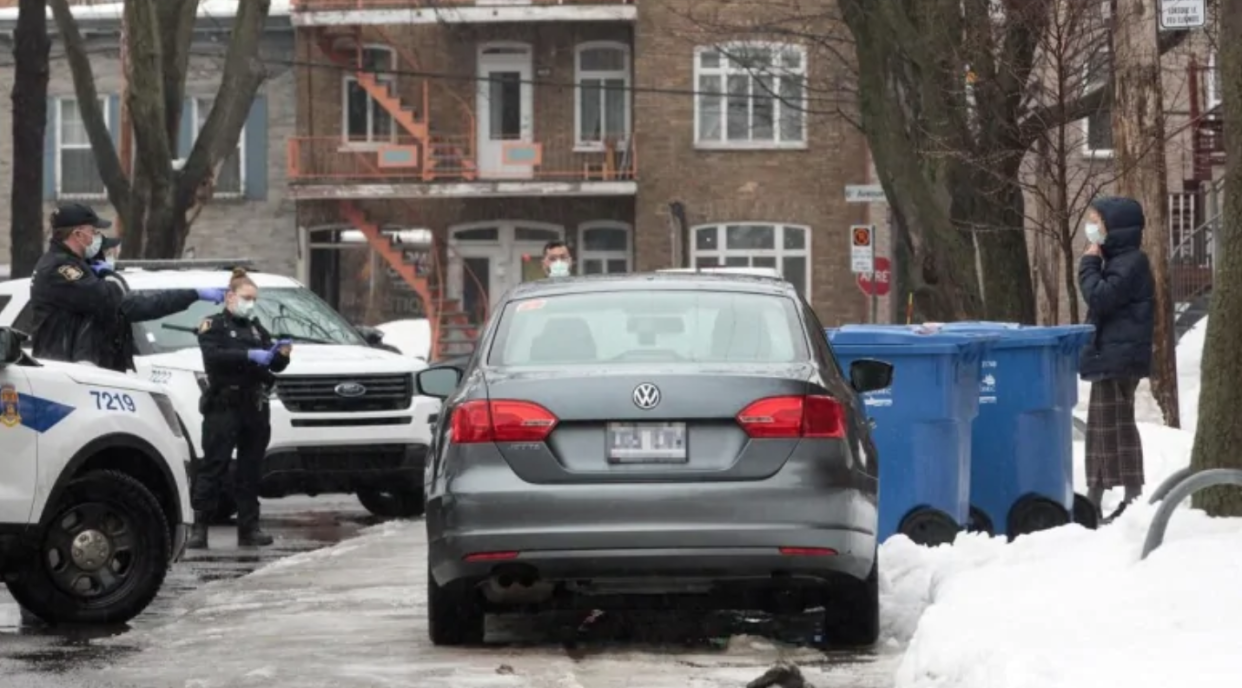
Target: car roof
<point>140,279</point>
<point>646,281</point>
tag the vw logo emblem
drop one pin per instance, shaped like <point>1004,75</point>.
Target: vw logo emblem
<point>646,396</point>
<point>350,390</point>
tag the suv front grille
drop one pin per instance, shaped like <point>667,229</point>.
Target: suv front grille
<point>322,393</point>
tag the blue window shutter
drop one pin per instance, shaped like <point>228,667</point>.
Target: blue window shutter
<point>114,120</point>
<point>256,150</point>
<point>185,140</point>
<point>49,152</point>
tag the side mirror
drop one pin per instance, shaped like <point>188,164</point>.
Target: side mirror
<point>10,345</point>
<point>372,335</point>
<point>870,375</point>
<point>437,382</point>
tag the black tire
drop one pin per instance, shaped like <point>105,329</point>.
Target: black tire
<point>455,615</point>
<point>392,504</point>
<point>852,613</point>
<point>1032,514</point>
<point>1085,514</point>
<point>929,527</point>
<point>123,510</point>
<point>979,522</point>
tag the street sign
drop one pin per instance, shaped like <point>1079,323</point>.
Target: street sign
<point>862,248</point>
<point>865,193</point>
<point>1180,15</point>
<point>880,285</point>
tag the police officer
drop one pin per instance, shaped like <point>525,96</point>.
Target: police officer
<point>82,313</point>
<point>240,359</point>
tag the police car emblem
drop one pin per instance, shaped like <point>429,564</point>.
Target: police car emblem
<point>72,273</point>
<point>10,410</point>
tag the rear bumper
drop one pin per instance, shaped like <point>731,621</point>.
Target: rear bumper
<point>342,469</point>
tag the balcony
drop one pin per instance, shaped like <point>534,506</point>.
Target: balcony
<point>395,12</point>
<point>455,166</point>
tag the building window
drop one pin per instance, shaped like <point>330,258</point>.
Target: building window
<point>365,120</point>
<point>1097,128</point>
<point>604,248</point>
<point>77,176</point>
<point>757,245</point>
<point>230,179</point>
<point>750,96</point>
<point>602,110</point>
<point>1213,82</point>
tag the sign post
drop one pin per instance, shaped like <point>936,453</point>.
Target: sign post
<point>862,256</point>
<point>1182,15</point>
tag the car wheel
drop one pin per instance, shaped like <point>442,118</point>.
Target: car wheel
<point>455,614</point>
<point>101,558</point>
<point>852,612</point>
<point>392,504</point>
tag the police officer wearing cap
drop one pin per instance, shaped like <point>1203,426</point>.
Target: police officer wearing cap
<point>82,312</point>
<point>240,360</point>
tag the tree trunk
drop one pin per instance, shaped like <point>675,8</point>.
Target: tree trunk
<point>1138,138</point>
<point>1219,433</point>
<point>1004,258</point>
<point>30,56</point>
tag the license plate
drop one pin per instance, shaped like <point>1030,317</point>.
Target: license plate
<point>647,442</point>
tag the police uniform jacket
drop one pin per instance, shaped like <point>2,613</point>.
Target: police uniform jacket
<point>225,340</point>
<point>81,317</point>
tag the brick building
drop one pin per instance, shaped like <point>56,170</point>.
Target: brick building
<point>455,141</point>
<point>249,216</point>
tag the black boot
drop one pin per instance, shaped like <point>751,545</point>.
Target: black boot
<point>252,536</point>
<point>198,533</point>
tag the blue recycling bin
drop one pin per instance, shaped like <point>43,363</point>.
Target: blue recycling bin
<point>1022,465</point>
<point>922,424</point>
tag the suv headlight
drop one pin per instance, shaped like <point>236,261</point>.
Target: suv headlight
<point>169,413</point>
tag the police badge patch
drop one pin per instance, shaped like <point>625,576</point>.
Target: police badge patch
<point>204,326</point>
<point>71,273</point>
<point>10,409</point>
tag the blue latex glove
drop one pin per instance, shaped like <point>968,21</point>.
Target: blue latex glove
<point>261,356</point>
<point>281,342</point>
<point>212,294</point>
<point>100,267</point>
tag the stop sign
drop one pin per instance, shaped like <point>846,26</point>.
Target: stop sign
<point>880,287</point>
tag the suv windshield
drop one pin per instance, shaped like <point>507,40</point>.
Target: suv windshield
<point>294,312</point>
<point>649,326</point>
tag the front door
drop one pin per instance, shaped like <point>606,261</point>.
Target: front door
<point>486,261</point>
<point>505,108</point>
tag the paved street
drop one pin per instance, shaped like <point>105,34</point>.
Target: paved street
<point>353,615</point>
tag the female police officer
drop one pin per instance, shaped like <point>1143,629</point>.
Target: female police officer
<point>239,358</point>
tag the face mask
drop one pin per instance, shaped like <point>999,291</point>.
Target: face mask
<point>243,308</point>
<point>1093,233</point>
<point>559,268</point>
<point>92,251</point>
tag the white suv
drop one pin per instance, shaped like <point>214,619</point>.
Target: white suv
<point>345,415</point>
<point>94,496</point>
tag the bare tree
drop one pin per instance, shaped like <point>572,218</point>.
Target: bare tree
<point>157,205</point>
<point>1219,434</point>
<point>30,54</point>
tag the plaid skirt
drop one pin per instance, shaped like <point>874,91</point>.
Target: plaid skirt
<point>1114,450</point>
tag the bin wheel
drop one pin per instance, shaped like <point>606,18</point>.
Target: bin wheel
<point>1032,514</point>
<point>1085,514</point>
<point>929,527</point>
<point>979,522</point>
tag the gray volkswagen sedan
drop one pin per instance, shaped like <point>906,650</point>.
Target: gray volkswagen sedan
<point>657,439</point>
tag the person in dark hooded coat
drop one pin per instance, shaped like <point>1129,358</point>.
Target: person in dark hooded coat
<point>1116,282</point>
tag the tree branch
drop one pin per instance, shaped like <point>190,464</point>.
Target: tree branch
<point>243,74</point>
<point>106,158</point>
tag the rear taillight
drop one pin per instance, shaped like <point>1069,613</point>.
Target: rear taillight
<point>501,420</point>
<point>794,416</point>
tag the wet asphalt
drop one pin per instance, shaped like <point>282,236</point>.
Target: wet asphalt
<point>33,655</point>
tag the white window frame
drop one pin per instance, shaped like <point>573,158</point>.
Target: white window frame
<point>200,119</point>
<point>1212,92</point>
<point>60,146</point>
<point>1106,17</point>
<point>624,74</point>
<point>584,255</point>
<point>724,71</point>
<point>778,252</point>
<point>347,78</point>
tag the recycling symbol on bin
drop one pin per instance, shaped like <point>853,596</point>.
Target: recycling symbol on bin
<point>989,383</point>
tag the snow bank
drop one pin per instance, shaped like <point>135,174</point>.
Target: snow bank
<point>1070,608</point>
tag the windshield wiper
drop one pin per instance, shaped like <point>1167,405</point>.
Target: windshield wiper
<point>300,338</point>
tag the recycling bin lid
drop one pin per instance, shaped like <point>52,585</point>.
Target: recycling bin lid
<point>912,339</point>
<point>1010,335</point>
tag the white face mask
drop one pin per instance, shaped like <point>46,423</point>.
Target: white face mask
<point>1093,233</point>
<point>92,251</point>
<point>559,268</point>
<point>243,308</point>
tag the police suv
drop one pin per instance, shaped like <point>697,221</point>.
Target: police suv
<point>345,414</point>
<point>94,497</point>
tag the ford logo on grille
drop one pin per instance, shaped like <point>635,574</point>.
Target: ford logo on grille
<point>350,390</point>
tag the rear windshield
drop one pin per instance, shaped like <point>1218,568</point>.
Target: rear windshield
<point>649,326</point>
